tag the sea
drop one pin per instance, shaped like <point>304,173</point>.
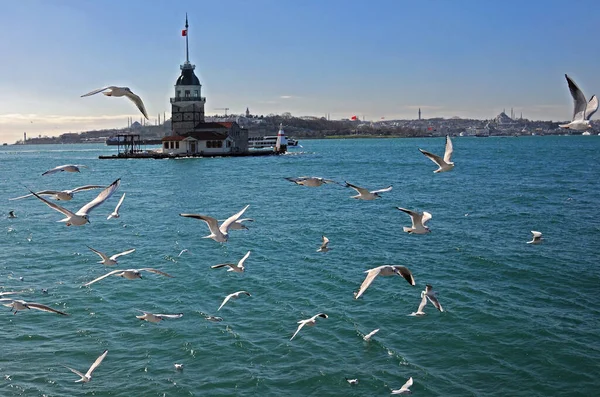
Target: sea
<point>519,319</point>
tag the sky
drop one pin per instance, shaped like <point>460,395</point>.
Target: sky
<point>377,59</point>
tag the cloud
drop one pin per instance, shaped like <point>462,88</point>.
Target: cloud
<point>18,118</point>
<point>286,97</point>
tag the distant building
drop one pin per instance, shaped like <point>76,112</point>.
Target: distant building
<point>419,113</point>
<point>247,112</point>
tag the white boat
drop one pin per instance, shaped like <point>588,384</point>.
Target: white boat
<point>262,142</point>
<point>586,133</point>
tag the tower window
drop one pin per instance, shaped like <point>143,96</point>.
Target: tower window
<point>178,93</point>
<point>195,93</point>
<point>187,93</point>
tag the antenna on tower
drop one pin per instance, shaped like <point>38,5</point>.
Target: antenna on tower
<point>187,51</point>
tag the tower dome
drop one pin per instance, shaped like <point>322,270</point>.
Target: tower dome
<point>188,77</point>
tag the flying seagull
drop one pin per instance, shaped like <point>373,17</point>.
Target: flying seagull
<point>420,311</point>
<point>62,195</point>
<point>537,238</point>
<point>368,336</point>
<point>217,233</point>
<point>352,381</point>
<point>323,247</point>
<point>121,91</point>
<point>310,322</point>
<point>418,221</point>
<point>583,110</point>
<point>235,295</point>
<point>130,274</point>
<point>16,305</point>
<point>444,164</point>
<point>156,318</point>
<point>81,217</point>
<point>430,294</point>
<point>88,375</point>
<point>385,270</point>
<point>11,214</point>
<point>311,181</point>
<point>115,213</point>
<point>239,268</point>
<point>67,167</point>
<point>112,260</point>
<point>365,194</point>
<point>405,387</point>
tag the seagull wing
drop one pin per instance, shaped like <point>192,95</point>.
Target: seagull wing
<point>212,223</point>
<point>152,270</point>
<point>579,100</point>
<point>225,225</point>
<point>370,334</point>
<point>404,387</point>
<point>102,197</point>
<point>22,197</point>
<point>86,187</point>
<point>101,277</point>
<point>422,304</point>
<point>100,254</point>
<point>120,203</point>
<point>325,242</point>
<point>45,308</point>
<point>55,170</point>
<point>54,206</point>
<point>178,315</point>
<point>591,108</point>
<point>138,102</point>
<point>302,323</point>
<point>407,274</point>
<point>387,189</point>
<point>433,157</point>
<point>536,234</point>
<point>433,299</point>
<point>415,216</point>
<point>241,262</point>
<point>449,150</point>
<point>75,372</point>
<point>371,274</point>
<point>225,301</point>
<point>97,91</point>
<point>360,190</point>
<point>245,220</point>
<point>425,217</point>
<point>115,256</point>
<point>96,363</point>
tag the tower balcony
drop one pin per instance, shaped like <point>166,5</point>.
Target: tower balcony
<point>188,99</point>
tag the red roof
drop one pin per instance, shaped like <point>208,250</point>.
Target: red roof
<point>227,124</point>
<point>173,138</point>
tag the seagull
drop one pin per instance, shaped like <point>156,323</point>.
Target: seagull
<point>537,238</point>
<point>80,218</point>
<point>88,375</point>
<point>239,268</point>
<point>62,195</point>
<point>211,318</point>
<point>385,270</point>
<point>130,274</point>
<point>430,294</point>
<point>368,336</point>
<point>352,381</point>
<point>418,222</point>
<point>182,251</point>
<point>420,311</point>
<point>444,163</point>
<point>364,194</point>
<point>235,295</point>
<point>312,181</point>
<point>239,224</point>
<point>217,233</point>
<point>115,213</point>
<point>405,387</point>
<point>582,111</point>
<point>112,260</point>
<point>11,214</point>
<point>121,91</point>
<point>310,322</point>
<point>156,318</point>
<point>66,167</point>
<point>178,366</point>
<point>17,305</point>
<point>323,247</point>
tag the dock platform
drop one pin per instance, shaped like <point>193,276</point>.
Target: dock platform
<point>158,156</point>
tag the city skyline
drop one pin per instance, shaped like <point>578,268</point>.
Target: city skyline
<point>338,59</point>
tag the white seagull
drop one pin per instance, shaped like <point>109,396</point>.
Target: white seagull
<point>81,217</point>
<point>115,213</point>
<point>178,366</point>
<point>239,268</point>
<point>323,247</point>
<point>444,164</point>
<point>130,274</point>
<point>88,375</point>
<point>368,336</point>
<point>385,270</point>
<point>217,233</point>
<point>430,294</point>
<point>365,194</point>
<point>62,195</point>
<point>66,167</point>
<point>420,311</point>
<point>121,91</point>
<point>16,305</point>
<point>405,387</point>
<point>310,322</point>
<point>110,260</point>
<point>537,238</point>
<point>418,221</point>
<point>352,381</point>
<point>583,110</point>
<point>156,318</point>
<point>235,295</point>
<point>311,181</point>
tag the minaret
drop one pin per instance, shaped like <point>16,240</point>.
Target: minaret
<point>187,107</point>
<point>419,113</point>
<point>247,112</point>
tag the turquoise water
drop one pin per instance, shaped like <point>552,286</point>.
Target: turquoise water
<point>519,319</point>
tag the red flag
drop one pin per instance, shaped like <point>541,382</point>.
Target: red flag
<point>353,118</point>
<point>184,32</point>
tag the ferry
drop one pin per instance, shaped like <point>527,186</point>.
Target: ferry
<point>120,140</point>
<point>262,142</point>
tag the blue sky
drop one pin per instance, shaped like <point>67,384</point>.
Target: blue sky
<point>373,59</point>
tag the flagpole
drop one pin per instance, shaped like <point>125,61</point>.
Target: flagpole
<point>187,52</point>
